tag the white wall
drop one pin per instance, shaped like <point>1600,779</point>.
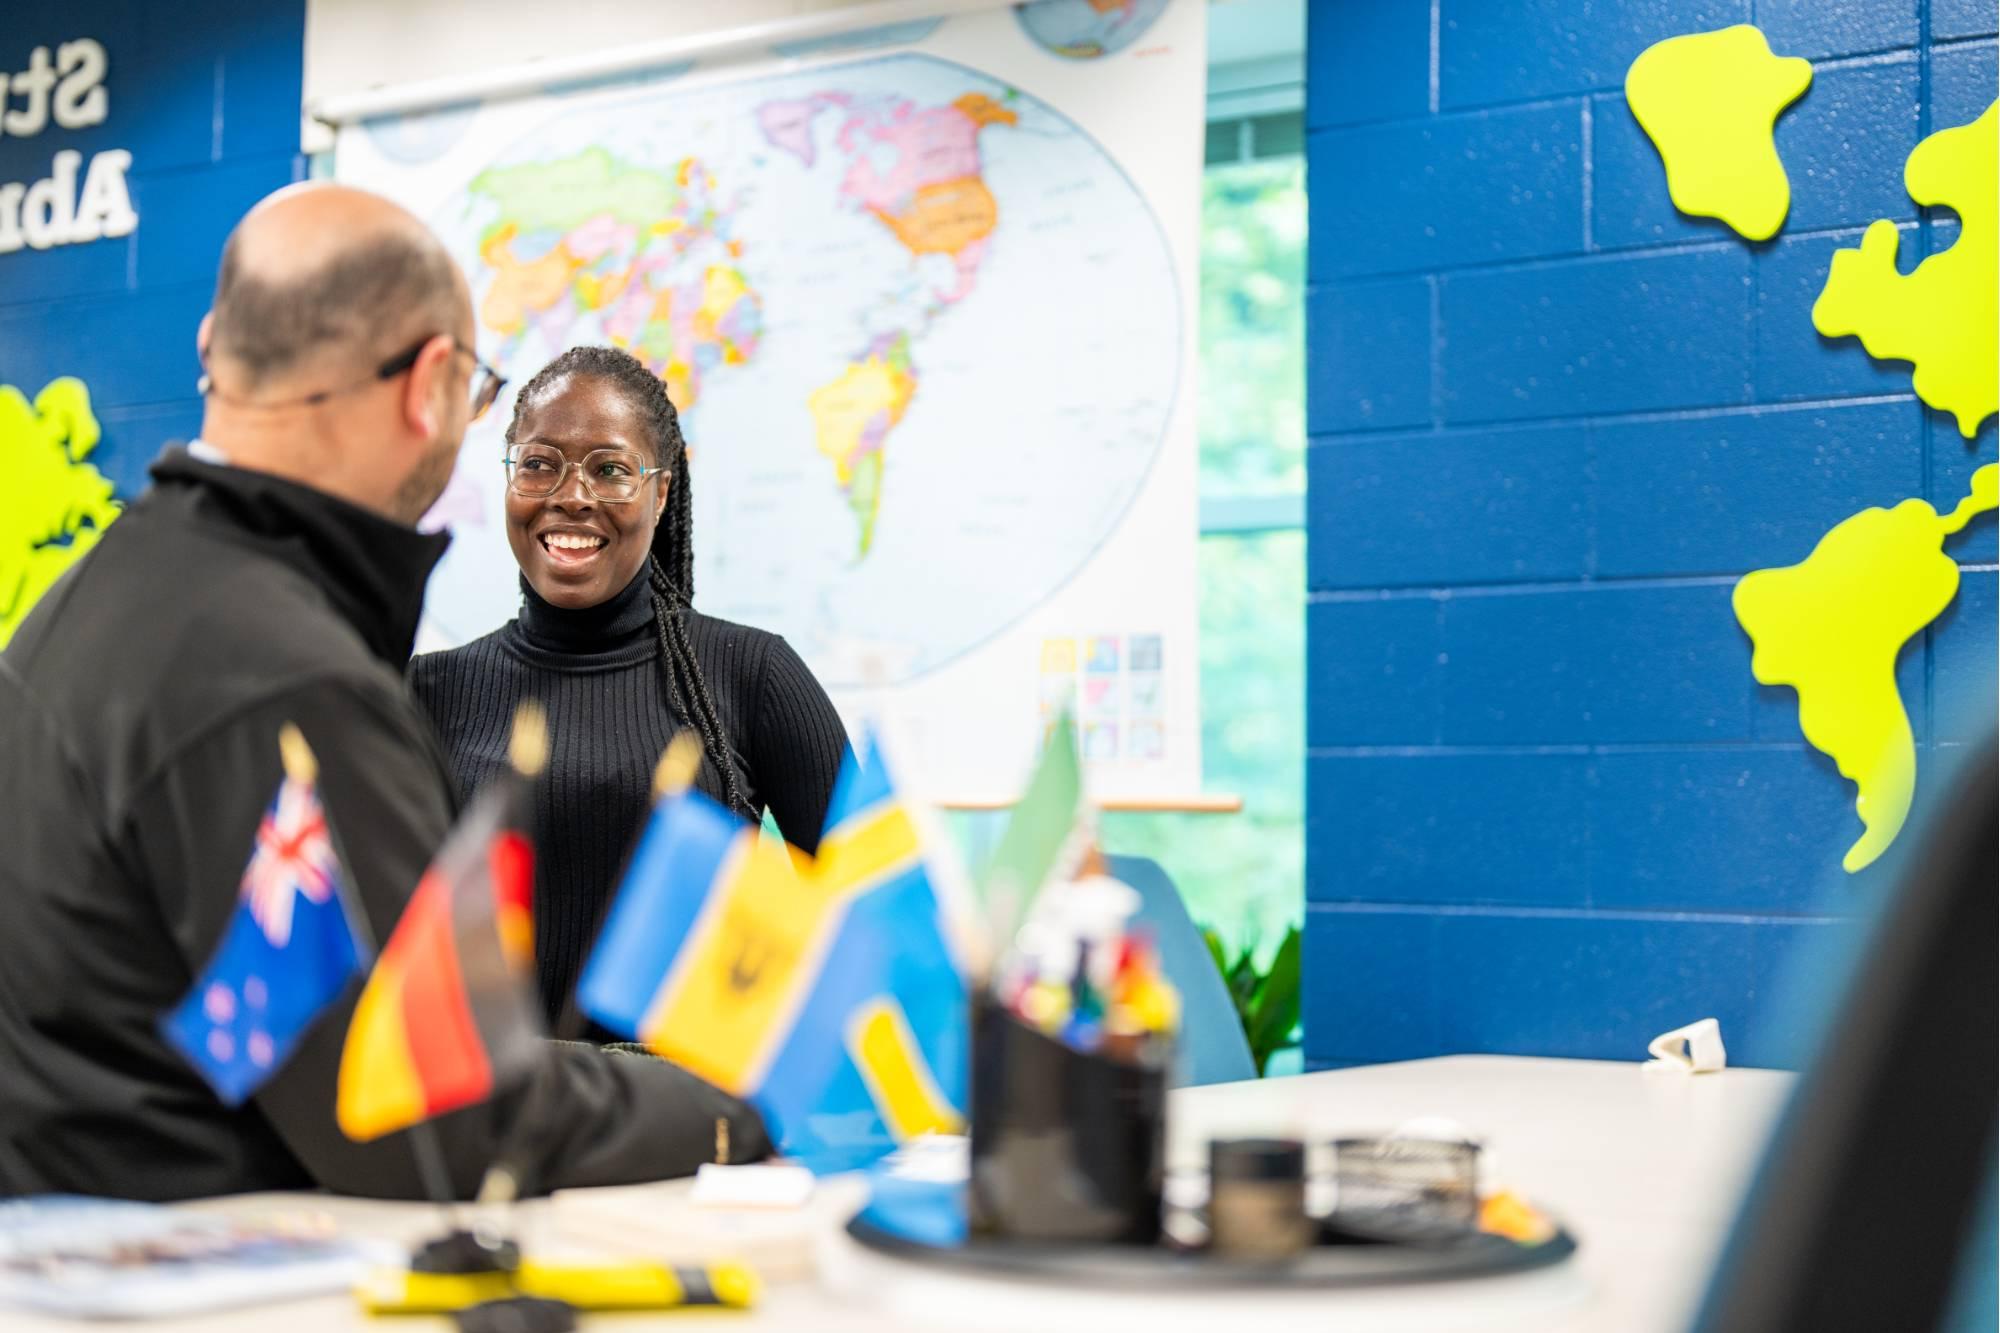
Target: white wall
<point>353,45</point>
<point>356,45</point>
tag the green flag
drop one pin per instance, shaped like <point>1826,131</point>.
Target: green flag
<point>1049,828</point>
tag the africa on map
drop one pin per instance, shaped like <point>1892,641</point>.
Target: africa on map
<point>923,333</point>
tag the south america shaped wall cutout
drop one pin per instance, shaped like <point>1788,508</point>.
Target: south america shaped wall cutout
<point>1831,626</point>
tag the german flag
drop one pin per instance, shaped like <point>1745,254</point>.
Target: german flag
<point>513,890</point>
<point>446,1016</point>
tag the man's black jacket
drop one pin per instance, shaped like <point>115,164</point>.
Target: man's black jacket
<point>140,705</point>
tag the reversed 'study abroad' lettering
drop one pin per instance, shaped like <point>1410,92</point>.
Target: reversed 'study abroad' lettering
<point>76,202</point>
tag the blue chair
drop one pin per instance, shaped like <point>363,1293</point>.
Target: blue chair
<point>1213,1047</point>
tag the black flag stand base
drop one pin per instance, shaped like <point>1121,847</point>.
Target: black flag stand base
<point>482,1247</point>
<point>518,1314</point>
<point>484,1251</point>
<point>466,1252</point>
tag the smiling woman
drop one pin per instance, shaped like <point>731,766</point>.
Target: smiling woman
<point>598,516</point>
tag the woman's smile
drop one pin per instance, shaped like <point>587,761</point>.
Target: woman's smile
<point>572,547</point>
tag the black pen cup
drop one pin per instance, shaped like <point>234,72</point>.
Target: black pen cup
<point>1066,1145</point>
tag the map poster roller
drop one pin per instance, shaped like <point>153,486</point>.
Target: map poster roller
<point>925,298</point>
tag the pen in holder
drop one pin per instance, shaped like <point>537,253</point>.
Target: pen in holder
<point>1066,1145</point>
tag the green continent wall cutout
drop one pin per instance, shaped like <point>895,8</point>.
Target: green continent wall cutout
<point>1710,103</point>
<point>1831,628</point>
<point>1942,316</point>
<point>55,505</point>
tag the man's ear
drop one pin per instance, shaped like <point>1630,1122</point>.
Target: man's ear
<point>202,335</point>
<point>422,403</point>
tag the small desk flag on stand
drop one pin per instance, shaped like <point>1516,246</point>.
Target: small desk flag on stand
<point>1048,835</point>
<point>446,1018</point>
<point>287,953</point>
<point>823,989</point>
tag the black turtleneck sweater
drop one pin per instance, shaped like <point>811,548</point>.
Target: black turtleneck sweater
<point>598,672</point>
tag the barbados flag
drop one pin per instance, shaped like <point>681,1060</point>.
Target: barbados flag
<point>823,989</point>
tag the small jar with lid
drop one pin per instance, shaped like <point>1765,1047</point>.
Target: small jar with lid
<point>1257,1199</point>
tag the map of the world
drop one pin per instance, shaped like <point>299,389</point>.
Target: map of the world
<point>923,333</point>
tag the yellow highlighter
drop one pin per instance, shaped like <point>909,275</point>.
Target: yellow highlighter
<point>586,1286</point>
<point>639,1285</point>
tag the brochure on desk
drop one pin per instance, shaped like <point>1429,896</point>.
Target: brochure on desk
<point>111,1259</point>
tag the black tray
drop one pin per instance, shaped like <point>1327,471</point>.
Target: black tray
<point>1155,1267</point>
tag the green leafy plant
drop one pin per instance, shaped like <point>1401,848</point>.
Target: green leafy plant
<point>1267,1000</point>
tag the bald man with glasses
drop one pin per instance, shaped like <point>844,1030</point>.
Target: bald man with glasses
<point>272,573</point>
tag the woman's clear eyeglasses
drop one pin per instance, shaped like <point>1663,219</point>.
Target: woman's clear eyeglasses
<point>610,476</point>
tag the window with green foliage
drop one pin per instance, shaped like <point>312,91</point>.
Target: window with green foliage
<point>1243,875</point>
<point>1252,335</point>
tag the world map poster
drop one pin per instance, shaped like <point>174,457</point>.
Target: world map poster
<point>923,298</point>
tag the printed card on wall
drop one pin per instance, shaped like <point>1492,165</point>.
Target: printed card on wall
<point>845,262</point>
<point>1115,688</point>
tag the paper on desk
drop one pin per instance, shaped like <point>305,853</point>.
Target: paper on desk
<point>662,1222</point>
<point>1694,1049</point>
<point>114,1259</point>
<point>760,1185</point>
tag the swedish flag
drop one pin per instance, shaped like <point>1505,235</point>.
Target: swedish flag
<point>823,989</point>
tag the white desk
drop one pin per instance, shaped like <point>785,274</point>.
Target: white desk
<point>1645,1167</point>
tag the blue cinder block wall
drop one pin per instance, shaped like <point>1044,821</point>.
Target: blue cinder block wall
<point>206,99</point>
<point>1553,422</point>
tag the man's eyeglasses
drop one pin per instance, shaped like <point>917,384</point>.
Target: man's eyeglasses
<point>486,381</point>
<point>610,476</point>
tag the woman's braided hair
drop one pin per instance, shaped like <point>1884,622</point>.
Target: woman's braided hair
<point>671,564</point>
